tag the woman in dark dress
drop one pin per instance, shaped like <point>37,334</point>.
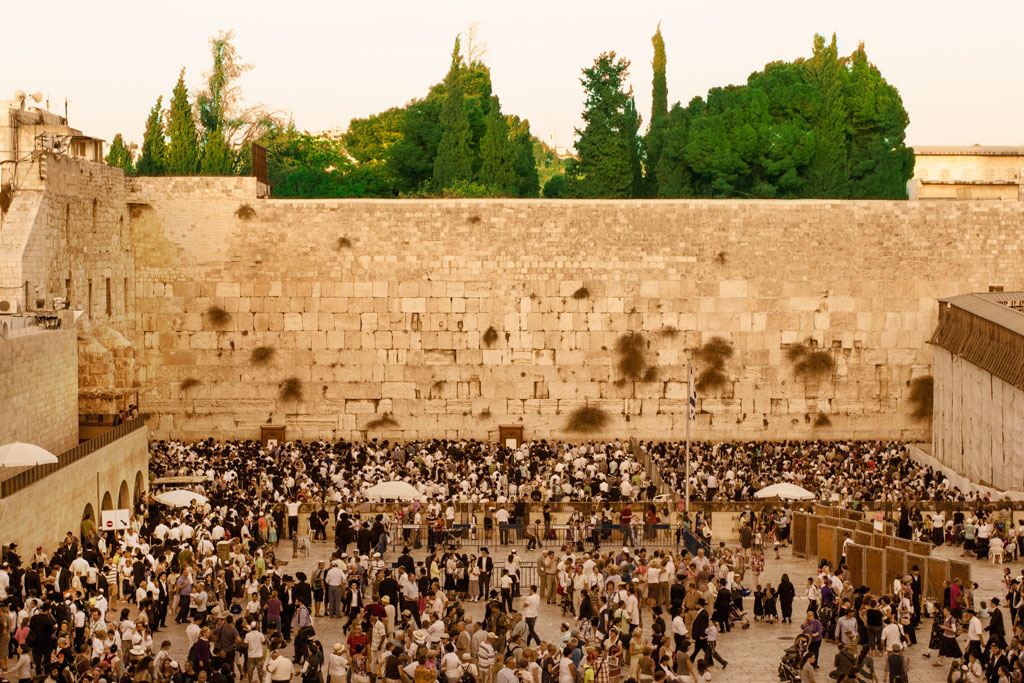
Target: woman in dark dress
<point>786,594</point>
<point>770,611</point>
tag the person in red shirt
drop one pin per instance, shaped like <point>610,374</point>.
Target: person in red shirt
<point>625,518</point>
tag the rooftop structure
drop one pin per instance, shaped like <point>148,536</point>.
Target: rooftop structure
<point>967,172</point>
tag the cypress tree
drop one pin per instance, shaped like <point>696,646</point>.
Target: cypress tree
<point>119,156</point>
<point>183,150</point>
<point>827,173</point>
<point>454,159</point>
<point>154,149</point>
<point>216,155</point>
<point>497,159</point>
<point>655,139</point>
<point>527,179</point>
<point>607,146</point>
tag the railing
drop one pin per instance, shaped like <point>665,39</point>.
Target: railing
<point>34,474</point>
<point>534,536</point>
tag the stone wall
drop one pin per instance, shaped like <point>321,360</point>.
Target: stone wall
<point>111,477</point>
<point>39,389</point>
<point>412,318</point>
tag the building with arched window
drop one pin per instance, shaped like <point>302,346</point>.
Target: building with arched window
<point>971,172</point>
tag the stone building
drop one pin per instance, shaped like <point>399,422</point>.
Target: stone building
<point>978,423</point>
<point>969,172</point>
<point>67,321</point>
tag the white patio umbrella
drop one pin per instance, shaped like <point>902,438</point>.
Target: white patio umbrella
<point>394,490</point>
<point>180,498</point>
<point>19,454</point>
<point>786,491</point>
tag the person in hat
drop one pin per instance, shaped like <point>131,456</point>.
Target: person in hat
<point>699,629</point>
<point>337,665</point>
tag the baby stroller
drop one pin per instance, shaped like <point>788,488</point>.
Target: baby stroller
<point>789,666</point>
<point>449,538</point>
<point>738,617</point>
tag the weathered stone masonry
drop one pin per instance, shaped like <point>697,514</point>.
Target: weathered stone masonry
<point>382,308</point>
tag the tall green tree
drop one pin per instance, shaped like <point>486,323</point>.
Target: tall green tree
<point>827,173</point>
<point>454,161</point>
<point>183,150</point>
<point>497,155</point>
<point>119,156</point>
<point>154,149</point>
<point>217,158</point>
<point>607,145</point>
<point>879,162</point>
<point>525,163</point>
<point>654,141</point>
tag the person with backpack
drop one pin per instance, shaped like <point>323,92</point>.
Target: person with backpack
<point>897,666</point>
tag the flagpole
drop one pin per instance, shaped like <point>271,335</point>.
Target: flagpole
<point>689,414</point>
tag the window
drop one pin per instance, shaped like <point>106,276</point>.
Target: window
<point>995,288</point>
<point>990,174</point>
<point>945,174</point>
<point>965,174</point>
<point>1011,173</point>
<point>88,311</point>
<point>125,300</point>
<point>95,212</point>
<point>67,221</point>
<point>108,297</point>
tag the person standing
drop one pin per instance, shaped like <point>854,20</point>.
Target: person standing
<point>813,628</point>
<point>786,594</point>
<point>530,606</point>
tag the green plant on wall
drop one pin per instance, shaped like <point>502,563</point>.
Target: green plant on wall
<point>262,355</point>
<point>810,364</point>
<point>711,358</point>
<point>382,422</point>
<point>586,420</point>
<point>217,316</point>
<point>291,389</point>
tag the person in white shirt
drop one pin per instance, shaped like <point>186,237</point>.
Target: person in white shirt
<point>892,634</point>
<point>530,605</point>
<point>254,642</point>
<point>974,633</point>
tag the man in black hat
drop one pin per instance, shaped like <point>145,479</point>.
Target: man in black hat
<point>996,629</point>
<point>405,561</point>
<point>699,630</point>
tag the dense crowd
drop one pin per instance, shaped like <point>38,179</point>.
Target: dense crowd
<point>93,609</point>
<point>840,470</point>
<point>466,470</point>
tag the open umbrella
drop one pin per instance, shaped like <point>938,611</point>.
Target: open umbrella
<point>393,490</point>
<point>785,491</point>
<point>180,498</point>
<point>19,454</point>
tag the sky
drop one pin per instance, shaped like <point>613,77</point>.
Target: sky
<point>957,65</point>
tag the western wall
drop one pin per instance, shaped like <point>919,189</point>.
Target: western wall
<point>433,318</point>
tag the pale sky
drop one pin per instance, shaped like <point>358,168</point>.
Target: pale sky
<point>956,64</point>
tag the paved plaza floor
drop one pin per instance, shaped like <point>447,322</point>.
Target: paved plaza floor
<point>753,654</point>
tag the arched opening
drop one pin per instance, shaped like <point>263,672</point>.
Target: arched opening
<point>89,522</point>
<point>108,502</point>
<point>123,501</point>
<point>140,487</point>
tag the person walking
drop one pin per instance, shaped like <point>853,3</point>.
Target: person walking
<point>786,594</point>
<point>530,613</point>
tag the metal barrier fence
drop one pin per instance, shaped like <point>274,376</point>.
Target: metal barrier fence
<point>536,536</point>
<point>32,475</point>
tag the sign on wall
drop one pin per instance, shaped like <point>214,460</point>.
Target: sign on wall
<point>114,520</point>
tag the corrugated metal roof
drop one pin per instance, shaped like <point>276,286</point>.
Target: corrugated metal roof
<point>996,307</point>
<point>967,150</point>
<point>986,330</point>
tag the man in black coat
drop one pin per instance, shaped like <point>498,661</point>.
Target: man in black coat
<point>996,629</point>
<point>699,629</point>
<point>42,625</point>
<point>389,587</point>
<point>302,591</point>
<point>406,562</point>
<point>364,540</point>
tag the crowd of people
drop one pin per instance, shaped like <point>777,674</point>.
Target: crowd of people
<point>465,470</point>
<point>844,471</point>
<point>93,609</point>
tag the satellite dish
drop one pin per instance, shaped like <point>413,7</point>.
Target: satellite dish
<point>38,97</point>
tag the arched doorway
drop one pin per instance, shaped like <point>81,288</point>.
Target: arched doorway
<point>88,513</point>
<point>89,522</point>
<point>140,487</point>
<point>108,502</point>
<point>123,501</point>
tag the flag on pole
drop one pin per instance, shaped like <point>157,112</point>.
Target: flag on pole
<point>693,398</point>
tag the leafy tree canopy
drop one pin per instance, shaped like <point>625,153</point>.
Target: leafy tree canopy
<point>827,126</point>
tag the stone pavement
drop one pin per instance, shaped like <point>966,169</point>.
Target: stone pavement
<point>753,654</point>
